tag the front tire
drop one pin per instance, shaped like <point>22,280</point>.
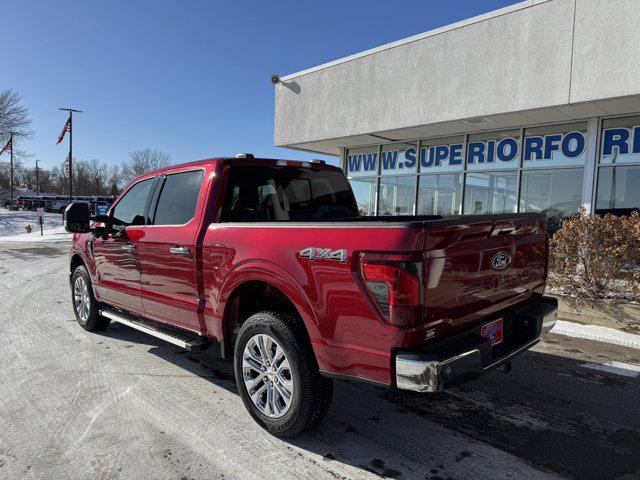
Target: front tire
<point>84,303</point>
<point>277,375</point>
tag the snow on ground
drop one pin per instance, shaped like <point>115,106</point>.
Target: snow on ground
<point>13,224</point>
<point>597,333</point>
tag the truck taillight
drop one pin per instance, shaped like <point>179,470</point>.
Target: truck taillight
<point>394,283</point>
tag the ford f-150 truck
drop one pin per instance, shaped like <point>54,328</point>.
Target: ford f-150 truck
<point>271,260</point>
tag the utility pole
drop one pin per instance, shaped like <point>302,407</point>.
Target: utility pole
<point>37,179</point>
<point>97,186</point>
<point>70,110</point>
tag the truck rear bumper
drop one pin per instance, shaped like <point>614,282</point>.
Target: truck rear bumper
<point>468,355</point>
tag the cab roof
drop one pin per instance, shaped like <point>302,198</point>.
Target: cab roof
<point>249,162</point>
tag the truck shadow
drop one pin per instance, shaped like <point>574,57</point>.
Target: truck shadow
<point>550,412</point>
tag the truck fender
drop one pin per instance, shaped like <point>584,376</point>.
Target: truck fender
<point>275,276</point>
<point>79,252</point>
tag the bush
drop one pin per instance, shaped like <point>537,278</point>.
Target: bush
<point>597,257</point>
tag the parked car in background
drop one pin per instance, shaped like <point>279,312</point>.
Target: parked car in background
<point>48,203</point>
<point>37,203</point>
<point>271,259</point>
<point>24,202</point>
<point>59,204</point>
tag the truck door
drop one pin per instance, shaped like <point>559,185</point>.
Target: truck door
<point>116,257</point>
<point>167,251</point>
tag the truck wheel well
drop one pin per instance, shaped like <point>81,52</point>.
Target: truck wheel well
<point>257,296</point>
<point>76,261</point>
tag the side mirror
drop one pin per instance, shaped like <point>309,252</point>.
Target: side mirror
<point>76,218</point>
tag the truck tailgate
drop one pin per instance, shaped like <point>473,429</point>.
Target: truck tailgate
<point>479,267</point>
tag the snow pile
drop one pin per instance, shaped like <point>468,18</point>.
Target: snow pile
<point>13,224</point>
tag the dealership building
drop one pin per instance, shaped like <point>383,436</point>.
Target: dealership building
<point>534,107</point>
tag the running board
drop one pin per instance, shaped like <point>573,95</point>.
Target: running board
<point>182,338</point>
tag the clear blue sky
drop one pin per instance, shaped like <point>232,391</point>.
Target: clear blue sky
<point>186,77</point>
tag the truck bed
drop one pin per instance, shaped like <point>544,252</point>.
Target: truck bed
<point>348,335</point>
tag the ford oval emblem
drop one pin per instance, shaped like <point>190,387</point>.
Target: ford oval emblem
<point>500,261</point>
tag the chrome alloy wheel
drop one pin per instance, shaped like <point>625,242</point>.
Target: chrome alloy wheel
<point>267,376</point>
<point>81,299</point>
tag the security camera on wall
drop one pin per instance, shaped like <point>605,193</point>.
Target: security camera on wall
<point>275,78</point>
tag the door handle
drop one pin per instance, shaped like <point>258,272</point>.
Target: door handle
<point>128,247</point>
<point>179,250</point>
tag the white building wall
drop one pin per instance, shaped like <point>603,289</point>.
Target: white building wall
<point>535,55</point>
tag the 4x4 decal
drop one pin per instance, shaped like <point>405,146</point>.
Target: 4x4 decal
<point>314,253</point>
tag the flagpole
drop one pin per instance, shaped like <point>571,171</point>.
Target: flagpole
<point>37,179</point>
<point>70,110</point>
<point>70,156</point>
<point>11,169</point>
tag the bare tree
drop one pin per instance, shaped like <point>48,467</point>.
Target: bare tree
<point>143,161</point>
<point>14,117</point>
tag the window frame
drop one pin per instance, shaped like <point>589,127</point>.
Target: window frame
<point>596,179</point>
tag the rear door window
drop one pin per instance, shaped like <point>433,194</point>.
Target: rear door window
<point>179,198</point>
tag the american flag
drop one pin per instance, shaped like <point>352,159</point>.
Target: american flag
<point>67,128</point>
<point>8,147</point>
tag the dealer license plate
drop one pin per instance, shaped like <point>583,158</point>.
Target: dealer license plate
<point>492,331</point>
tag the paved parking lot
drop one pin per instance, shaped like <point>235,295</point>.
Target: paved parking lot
<point>121,404</point>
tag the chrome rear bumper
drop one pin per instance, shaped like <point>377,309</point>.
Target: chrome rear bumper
<point>435,367</point>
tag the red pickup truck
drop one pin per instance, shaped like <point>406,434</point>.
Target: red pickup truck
<point>271,259</point>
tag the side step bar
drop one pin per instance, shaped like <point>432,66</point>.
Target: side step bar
<point>182,338</point>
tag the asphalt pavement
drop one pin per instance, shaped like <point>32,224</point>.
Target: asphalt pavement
<point>123,405</point>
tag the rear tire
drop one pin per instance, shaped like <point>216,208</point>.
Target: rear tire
<point>84,303</point>
<point>288,395</point>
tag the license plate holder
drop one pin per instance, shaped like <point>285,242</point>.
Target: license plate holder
<point>493,331</point>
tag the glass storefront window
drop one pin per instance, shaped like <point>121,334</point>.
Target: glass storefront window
<point>494,150</point>
<point>620,141</point>
<point>442,155</point>
<point>618,187</point>
<point>362,162</point>
<point>398,158</point>
<point>397,195</point>
<point>365,190</point>
<point>555,146</point>
<point>439,194</point>
<point>556,193</point>
<point>493,192</point>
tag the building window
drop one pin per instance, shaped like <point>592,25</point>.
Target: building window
<point>442,155</point>
<point>494,151</point>
<point>365,190</point>
<point>556,193</point>
<point>439,194</point>
<point>362,162</point>
<point>491,192</point>
<point>555,146</point>
<point>397,195</point>
<point>619,166</point>
<point>620,141</point>
<point>618,188</point>
<point>399,158</point>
